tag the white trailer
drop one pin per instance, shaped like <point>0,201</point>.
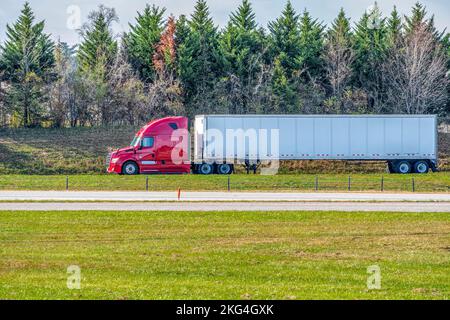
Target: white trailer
<point>407,143</point>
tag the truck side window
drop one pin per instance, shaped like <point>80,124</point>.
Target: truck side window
<point>174,126</point>
<point>148,142</point>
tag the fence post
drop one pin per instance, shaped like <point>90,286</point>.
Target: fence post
<point>382,183</point>
<point>229,186</point>
<point>317,183</point>
<point>67,183</point>
<point>413,185</point>
<point>349,183</point>
<point>146,183</point>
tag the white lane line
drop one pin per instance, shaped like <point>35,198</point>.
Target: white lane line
<point>230,206</point>
<point>216,196</point>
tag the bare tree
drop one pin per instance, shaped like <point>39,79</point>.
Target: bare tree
<point>339,57</point>
<point>127,91</point>
<point>415,74</point>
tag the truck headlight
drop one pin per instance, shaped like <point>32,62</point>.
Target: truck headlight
<point>114,160</point>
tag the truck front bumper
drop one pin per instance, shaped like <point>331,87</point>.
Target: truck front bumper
<point>114,168</point>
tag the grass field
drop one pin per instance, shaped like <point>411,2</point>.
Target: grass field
<point>227,255</point>
<point>83,151</point>
<point>437,182</point>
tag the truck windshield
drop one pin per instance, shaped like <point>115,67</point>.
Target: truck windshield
<point>135,142</point>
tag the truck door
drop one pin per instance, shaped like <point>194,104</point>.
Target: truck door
<point>147,156</point>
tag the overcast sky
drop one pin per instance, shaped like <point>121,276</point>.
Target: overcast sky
<point>58,14</point>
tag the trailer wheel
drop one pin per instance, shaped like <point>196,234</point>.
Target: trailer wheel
<point>421,167</point>
<point>130,168</point>
<point>403,167</point>
<point>224,169</point>
<point>205,168</point>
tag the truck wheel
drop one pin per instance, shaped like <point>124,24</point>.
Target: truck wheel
<point>224,169</point>
<point>403,167</point>
<point>130,168</point>
<point>205,169</point>
<point>421,167</point>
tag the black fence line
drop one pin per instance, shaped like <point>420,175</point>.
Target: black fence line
<point>317,184</point>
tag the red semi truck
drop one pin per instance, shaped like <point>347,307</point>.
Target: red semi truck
<point>408,144</point>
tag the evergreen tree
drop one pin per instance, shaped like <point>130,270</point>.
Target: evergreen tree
<point>285,40</point>
<point>419,18</point>
<point>26,62</point>
<point>96,56</point>
<point>370,49</point>
<point>312,44</point>
<point>200,62</point>
<point>182,31</point>
<point>98,44</point>
<point>242,46</point>
<point>394,28</point>
<point>338,58</point>
<point>286,99</point>
<point>142,39</point>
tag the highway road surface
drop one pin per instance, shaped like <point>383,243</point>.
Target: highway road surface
<point>216,201</point>
<point>231,206</point>
<point>215,196</point>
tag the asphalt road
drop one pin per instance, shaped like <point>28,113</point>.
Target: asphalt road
<point>232,206</point>
<point>215,196</point>
<point>215,201</point>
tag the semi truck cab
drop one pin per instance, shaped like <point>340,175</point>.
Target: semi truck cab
<point>161,146</point>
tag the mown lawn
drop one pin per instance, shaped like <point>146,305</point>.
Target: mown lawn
<point>438,182</point>
<point>226,255</point>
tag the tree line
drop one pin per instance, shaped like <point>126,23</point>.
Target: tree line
<point>187,66</point>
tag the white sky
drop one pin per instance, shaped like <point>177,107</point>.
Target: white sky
<point>56,15</point>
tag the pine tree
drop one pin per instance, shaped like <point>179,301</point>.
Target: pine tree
<point>285,40</point>
<point>98,43</point>
<point>182,31</point>
<point>200,62</point>
<point>394,28</point>
<point>339,57</point>
<point>242,46</point>
<point>419,18</point>
<point>26,61</point>
<point>142,39</point>
<point>446,46</point>
<point>311,43</point>
<point>370,46</point>
<point>96,56</point>
<point>286,100</point>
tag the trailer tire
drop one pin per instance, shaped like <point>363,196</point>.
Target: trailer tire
<point>421,167</point>
<point>224,169</point>
<point>403,167</point>
<point>205,168</point>
<point>130,168</point>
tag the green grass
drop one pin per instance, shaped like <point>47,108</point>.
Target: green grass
<point>225,255</point>
<point>84,150</point>
<point>438,182</point>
